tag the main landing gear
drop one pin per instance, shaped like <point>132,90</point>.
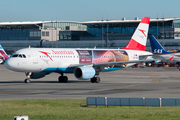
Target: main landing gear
<point>63,78</point>
<point>95,80</point>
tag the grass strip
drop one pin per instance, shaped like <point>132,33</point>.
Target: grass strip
<point>63,109</point>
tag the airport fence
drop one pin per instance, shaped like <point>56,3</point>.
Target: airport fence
<point>131,101</point>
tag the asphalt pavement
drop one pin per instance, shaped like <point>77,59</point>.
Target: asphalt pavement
<point>129,82</point>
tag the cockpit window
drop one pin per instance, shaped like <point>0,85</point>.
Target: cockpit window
<point>15,55</point>
<point>19,55</point>
<point>24,56</point>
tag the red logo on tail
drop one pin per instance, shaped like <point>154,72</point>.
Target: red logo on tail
<point>142,32</point>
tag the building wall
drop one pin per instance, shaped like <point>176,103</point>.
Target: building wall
<point>177,33</point>
<point>50,34</point>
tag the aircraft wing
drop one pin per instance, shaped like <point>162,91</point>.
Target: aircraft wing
<point>106,64</point>
<point>155,55</point>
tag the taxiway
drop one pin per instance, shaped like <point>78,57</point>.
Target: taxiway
<point>128,82</point>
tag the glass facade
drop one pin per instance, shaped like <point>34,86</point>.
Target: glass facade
<point>18,32</point>
<point>8,34</point>
<point>124,31</point>
<point>96,30</point>
<point>63,25</point>
<point>99,29</point>
<point>176,23</point>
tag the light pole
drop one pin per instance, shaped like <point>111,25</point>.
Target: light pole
<point>107,32</point>
<point>102,34</point>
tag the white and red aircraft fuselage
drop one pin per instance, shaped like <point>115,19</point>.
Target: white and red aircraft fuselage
<point>84,63</point>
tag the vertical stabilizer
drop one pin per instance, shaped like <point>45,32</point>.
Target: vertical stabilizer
<point>3,54</point>
<point>139,38</point>
<point>156,46</point>
<point>2,50</point>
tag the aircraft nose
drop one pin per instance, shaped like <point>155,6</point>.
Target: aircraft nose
<point>7,64</point>
<point>10,64</point>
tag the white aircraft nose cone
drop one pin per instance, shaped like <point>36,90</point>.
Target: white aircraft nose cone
<point>10,64</point>
<point>7,64</point>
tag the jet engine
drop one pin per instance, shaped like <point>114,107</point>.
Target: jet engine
<point>84,73</point>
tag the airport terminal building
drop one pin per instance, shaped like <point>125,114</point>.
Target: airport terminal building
<point>102,34</point>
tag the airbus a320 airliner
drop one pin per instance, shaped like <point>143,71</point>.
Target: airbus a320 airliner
<point>84,63</point>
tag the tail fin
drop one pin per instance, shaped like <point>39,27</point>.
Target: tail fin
<point>139,38</point>
<point>2,50</point>
<point>3,54</point>
<point>156,46</point>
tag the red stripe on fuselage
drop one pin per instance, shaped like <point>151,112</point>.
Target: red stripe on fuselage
<point>145,20</point>
<point>134,45</point>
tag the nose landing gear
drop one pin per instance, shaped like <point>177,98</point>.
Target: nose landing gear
<point>27,80</point>
<point>28,75</point>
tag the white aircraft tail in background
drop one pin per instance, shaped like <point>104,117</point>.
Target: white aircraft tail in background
<point>84,63</point>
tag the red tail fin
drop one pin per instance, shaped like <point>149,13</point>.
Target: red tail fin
<point>139,38</point>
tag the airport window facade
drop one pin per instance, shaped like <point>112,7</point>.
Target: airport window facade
<point>19,32</point>
<point>7,34</point>
<point>64,25</point>
<point>92,31</point>
<point>123,31</point>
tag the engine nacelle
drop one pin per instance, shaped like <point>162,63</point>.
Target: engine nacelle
<point>84,73</point>
<point>38,75</point>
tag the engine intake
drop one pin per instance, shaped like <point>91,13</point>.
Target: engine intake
<point>84,73</point>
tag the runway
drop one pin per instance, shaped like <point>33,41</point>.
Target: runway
<point>128,82</point>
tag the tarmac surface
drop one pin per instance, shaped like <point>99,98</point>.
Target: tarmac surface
<point>129,82</point>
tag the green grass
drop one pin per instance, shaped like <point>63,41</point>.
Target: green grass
<point>76,109</point>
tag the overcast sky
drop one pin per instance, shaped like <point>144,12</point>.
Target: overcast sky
<point>86,10</point>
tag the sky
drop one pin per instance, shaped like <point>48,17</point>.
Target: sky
<point>86,10</point>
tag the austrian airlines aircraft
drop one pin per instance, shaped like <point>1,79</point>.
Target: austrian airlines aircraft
<point>84,63</point>
<point>3,55</point>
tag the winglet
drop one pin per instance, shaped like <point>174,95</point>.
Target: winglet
<point>139,38</point>
<point>156,46</point>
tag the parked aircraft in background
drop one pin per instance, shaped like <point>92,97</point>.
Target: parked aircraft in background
<point>160,53</point>
<point>84,63</point>
<point>3,55</point>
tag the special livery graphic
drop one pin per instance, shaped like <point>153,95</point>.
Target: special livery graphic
<point>85,56</point>
<point>91,56</point>
<point>110,56</point>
